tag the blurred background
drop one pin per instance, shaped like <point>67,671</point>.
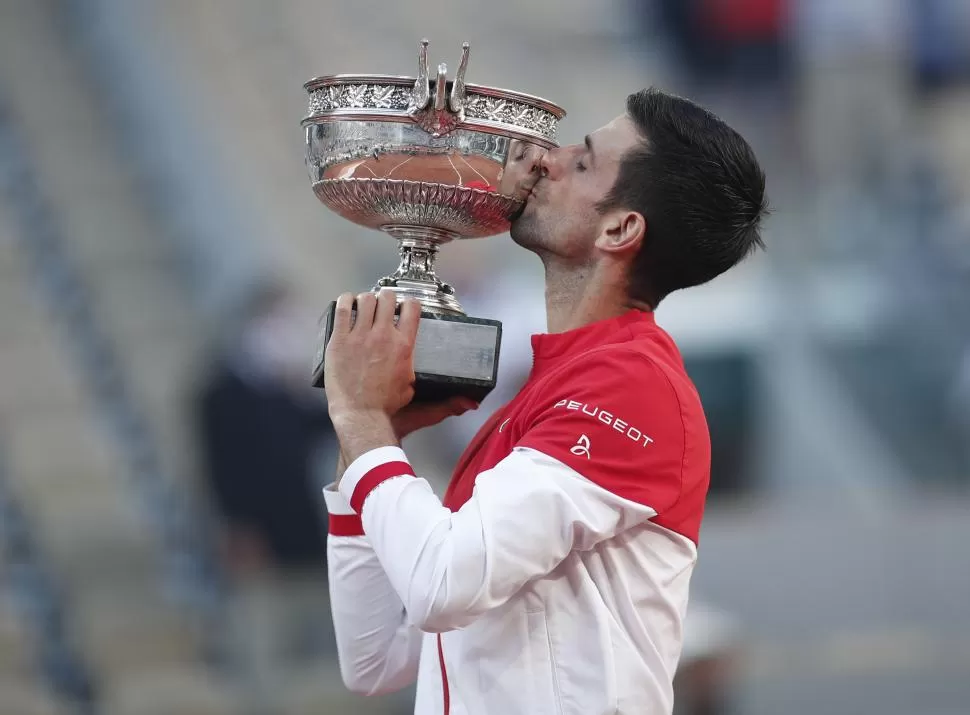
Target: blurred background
<point>163,263</point>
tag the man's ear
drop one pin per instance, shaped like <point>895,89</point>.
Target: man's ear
<point>621,231</point>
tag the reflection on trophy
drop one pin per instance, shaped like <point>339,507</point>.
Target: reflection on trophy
<point>428,160</point>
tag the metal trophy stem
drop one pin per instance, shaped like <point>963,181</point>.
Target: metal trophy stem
<point>415,276</point>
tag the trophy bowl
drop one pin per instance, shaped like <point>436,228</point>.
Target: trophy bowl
<point>428,160</point>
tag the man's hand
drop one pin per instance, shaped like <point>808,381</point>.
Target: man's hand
<point>368,368</point>
<point>369,375</point>
<point>418,416</point>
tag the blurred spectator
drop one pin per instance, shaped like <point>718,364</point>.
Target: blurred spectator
<point>262,432</point>
<point>741,43</point>
<point>747,39</point>
<point>959,407</point>
<point>853,60</point>
<point>941,42</point>
<point>708,673</point>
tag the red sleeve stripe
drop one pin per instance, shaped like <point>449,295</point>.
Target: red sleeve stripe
<point>444,679</point>
<point>373,478</point>
<point>345,525</point>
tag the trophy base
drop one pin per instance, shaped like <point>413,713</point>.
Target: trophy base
<point>454,355</point>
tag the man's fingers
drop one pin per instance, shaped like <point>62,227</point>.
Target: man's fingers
<point>343,314</point>
<point>418,416</point>
<point>410,319</point>
<point>415,417</point>
<point>457,406</point>
<point>461,405</point>
<point>386,303</point>
<point>433,415</point>
<point>366,305</point>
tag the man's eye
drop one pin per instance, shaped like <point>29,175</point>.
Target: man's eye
<point>580,166</point>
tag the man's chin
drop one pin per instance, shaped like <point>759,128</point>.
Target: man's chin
<point>521,210</point>
<point>523,228</point>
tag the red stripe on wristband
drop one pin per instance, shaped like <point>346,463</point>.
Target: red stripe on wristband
<point>373,478</point>
<point>345,525</point>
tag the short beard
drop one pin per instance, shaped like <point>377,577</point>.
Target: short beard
<point>518,212</point>
<point>524,231</point>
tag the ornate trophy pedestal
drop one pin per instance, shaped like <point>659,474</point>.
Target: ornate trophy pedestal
<point>427,161</point>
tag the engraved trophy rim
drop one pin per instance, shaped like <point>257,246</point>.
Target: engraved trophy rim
<point>328,80</point>
<point>364,112</point>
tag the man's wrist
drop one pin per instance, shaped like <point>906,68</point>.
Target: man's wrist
<point>369,471</point>
<point>360,431</point>
<point>352,418</point>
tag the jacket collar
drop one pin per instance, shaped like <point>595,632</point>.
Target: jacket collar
<point>550,347</point>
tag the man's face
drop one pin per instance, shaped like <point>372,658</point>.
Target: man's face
<point>560,216</point>
<point>521,170</point>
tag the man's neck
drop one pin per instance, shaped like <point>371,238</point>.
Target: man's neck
<point>579,296</point>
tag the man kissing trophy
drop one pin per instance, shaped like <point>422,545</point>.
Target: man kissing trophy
<point>553,576</point>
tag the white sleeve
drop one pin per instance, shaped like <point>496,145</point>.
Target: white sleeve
<point>377,648</point>
<point>524,518</point>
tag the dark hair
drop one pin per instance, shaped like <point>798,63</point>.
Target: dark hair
<point>700,188</point>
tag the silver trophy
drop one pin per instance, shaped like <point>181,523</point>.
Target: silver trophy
<point>428,160</point>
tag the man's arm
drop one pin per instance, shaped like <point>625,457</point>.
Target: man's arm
<point>377,648</point>
<point>527,514</point>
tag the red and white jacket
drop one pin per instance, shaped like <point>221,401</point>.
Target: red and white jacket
<point>554,577</point>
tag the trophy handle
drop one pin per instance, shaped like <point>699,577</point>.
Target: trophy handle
<point>458,97</point>
<point>415,276</point>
